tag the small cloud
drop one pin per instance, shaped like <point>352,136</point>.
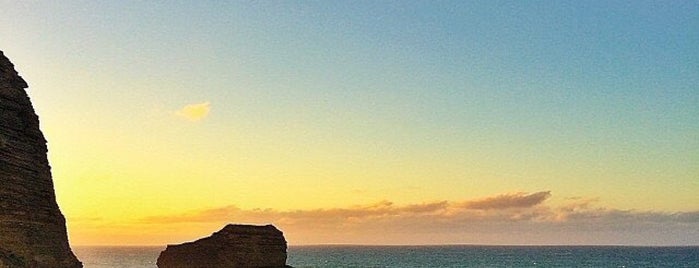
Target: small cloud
<point>194,112</point>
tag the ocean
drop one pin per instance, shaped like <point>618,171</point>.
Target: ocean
<point>431,256</point>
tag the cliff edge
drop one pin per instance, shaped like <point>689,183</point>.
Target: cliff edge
<point>32,228</point>
<point>233,246</point>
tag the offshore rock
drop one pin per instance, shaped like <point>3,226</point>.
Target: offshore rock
<point>233,246</point>
<point>32,228</point>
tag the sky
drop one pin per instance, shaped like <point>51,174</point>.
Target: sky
<point>367,122</point>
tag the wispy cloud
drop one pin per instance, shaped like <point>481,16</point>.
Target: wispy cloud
<point>506,218</point>
<point>515,200</point>
<point>333,215</point>
<point>522,201</point>
<point>194,112</point>
<point>515,207</point>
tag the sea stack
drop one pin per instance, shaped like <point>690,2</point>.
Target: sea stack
<point>32,228</point>
<point>233,246</point>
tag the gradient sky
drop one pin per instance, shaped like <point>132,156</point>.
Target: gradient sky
<point>368,122</point>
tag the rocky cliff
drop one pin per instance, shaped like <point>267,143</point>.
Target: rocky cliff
<point>32,228</point>
<point>233,246</point>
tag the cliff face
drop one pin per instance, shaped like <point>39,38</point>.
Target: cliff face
<point>32,228</point>
<point>233,246</point>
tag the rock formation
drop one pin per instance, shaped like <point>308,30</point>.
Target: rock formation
<point>233,246</point>
<point>32,228</point>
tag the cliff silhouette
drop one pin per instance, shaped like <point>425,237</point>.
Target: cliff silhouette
<point>32,228</point>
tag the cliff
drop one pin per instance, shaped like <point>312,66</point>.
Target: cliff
<point>233,246</point>
<point>32,228</point>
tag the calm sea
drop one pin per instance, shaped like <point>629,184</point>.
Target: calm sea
<point>432,256</point>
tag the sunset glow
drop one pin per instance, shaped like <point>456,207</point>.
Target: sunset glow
<point>367,122</point>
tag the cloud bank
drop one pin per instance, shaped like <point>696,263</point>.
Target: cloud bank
<point>513,218</point>
<point>194,112</point>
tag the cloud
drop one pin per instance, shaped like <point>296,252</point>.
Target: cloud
<point>194,112</point>
<point>332,215</point>
<point>504,201</point>
<point>497,210</point>
<point>376,210</point>
<point>512,218</point>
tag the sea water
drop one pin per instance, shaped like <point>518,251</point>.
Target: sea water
<point>431,256</point>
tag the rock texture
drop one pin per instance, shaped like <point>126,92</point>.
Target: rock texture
<point>233,246</point>
<point>32,228</point>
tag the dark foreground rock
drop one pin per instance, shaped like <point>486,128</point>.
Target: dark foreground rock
<point>32,228</point>
<point>233,246</point>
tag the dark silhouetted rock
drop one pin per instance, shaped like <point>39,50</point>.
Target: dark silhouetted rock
<point>32,228</point>
<point>233,246</point>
